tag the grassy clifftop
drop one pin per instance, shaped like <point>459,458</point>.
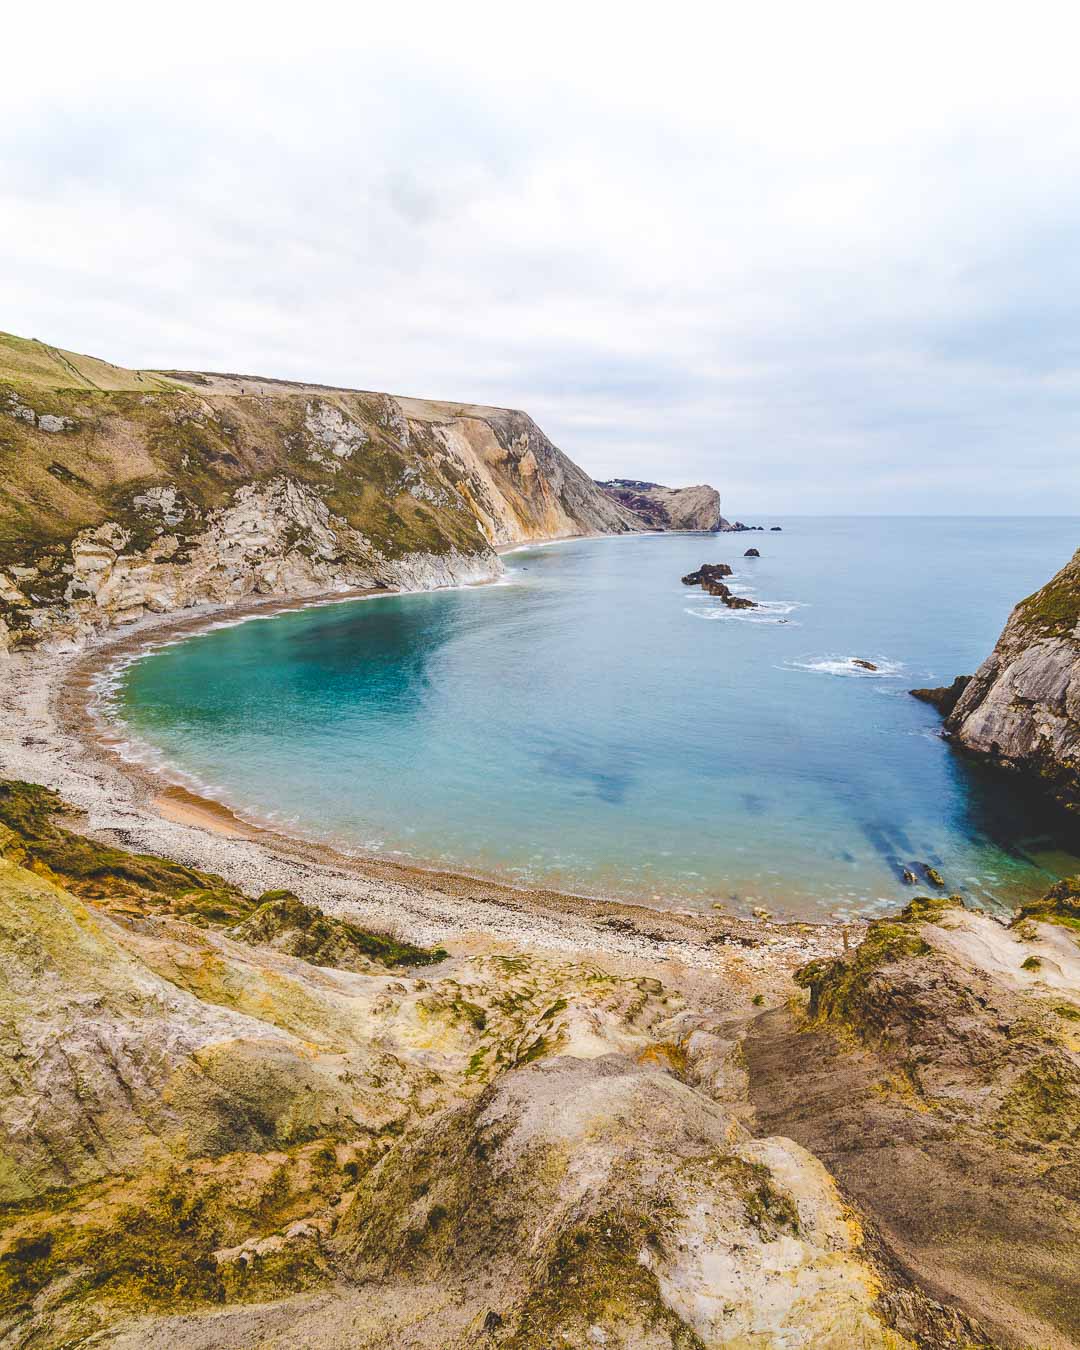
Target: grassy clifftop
<point>200,486</point>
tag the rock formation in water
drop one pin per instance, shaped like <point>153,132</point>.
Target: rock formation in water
<point>707,572</point>
<point>664,508</point>
<point>126,492</point>
<point>1022,706</point>
<point>944,698</point>
<point>239,1122</point>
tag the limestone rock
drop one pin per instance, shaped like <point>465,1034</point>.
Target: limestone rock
<point>1022,706</point>
<point>664,508</point>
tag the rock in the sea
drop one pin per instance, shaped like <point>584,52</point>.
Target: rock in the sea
<point>863,665</point>
<point>776,529</point>
<point>706,572</point>
<point>934,876</point>
<point>738,602</point>
<point>1022,706</point>
<point>751,553</point>
<point>909,877</point>
<point>945,698</point>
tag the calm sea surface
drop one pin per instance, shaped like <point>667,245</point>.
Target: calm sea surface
<point>592,724</point>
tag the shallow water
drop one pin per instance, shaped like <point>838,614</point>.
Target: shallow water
<point>592,724</point>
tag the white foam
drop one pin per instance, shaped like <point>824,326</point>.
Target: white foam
<point>764,611</point>
<point>845,666</point>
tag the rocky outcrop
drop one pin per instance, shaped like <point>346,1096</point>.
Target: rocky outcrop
<point>944,698</point>
<point>940,1050</point>
<point>664,508</point>
<point>126,493</point>
<point>1022,707</point>
<point>216,1133</point>
<point>707,572</point>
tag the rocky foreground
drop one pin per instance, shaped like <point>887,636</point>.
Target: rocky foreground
<point>234,1120</point>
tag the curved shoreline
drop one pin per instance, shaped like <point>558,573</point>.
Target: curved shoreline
<point>53,739</point>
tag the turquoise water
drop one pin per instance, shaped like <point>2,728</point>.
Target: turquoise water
<point>593,725</point>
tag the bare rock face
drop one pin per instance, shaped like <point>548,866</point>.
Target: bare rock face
<point>134,492</point>
<point>664,508</point>
<point>1022,707</point>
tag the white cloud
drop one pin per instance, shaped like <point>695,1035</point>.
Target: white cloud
<point>823,256</point>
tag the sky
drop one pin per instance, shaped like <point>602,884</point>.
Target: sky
<point>823,256</point>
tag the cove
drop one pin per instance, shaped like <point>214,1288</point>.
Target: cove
<point>593,725</point>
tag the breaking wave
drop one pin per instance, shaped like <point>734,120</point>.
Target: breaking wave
<point>848,667</point>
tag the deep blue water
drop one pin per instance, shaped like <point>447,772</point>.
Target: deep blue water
<point>594,725</point>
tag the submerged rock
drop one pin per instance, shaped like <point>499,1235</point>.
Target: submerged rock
<point>863,665</point>
<point>945,698</point>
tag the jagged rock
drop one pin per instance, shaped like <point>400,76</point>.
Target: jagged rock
<point>751,553</point>
<point>863,665</point>
<point>945,698</point>
<point>1021,709</point>
<point>707,572</point>
<point>738,602</point>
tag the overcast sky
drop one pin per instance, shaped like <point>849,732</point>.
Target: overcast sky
<point>823,256</point>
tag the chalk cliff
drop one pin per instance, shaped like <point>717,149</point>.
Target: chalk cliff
<point>1022,708</point>
<point>664,508</point>
<point>124,492</point>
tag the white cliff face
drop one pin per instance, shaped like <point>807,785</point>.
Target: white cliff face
<point>217,489</point>
<point>1022,708</point>
<point>273,539</point>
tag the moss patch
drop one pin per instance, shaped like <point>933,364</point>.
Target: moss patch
<point>284,922</point>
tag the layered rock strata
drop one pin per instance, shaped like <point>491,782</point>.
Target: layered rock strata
<point>132,492</point>
<point>1022,707</point>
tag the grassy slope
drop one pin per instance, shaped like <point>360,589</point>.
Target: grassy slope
<point>129,430</point>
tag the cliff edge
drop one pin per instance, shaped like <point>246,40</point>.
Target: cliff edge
<point>125,492</point>
<point>664,508</point>
<point>1022,708</point>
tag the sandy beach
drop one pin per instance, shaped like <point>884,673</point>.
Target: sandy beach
<point>53,737</point>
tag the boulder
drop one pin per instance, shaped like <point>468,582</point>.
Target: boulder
<point>751,553</point>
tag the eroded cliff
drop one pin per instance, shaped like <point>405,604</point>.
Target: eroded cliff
<point>1022,708</point>
<point>125,492</point>
<point>664,508</point>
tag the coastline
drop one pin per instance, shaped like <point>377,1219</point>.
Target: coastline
<point>53,737</point>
